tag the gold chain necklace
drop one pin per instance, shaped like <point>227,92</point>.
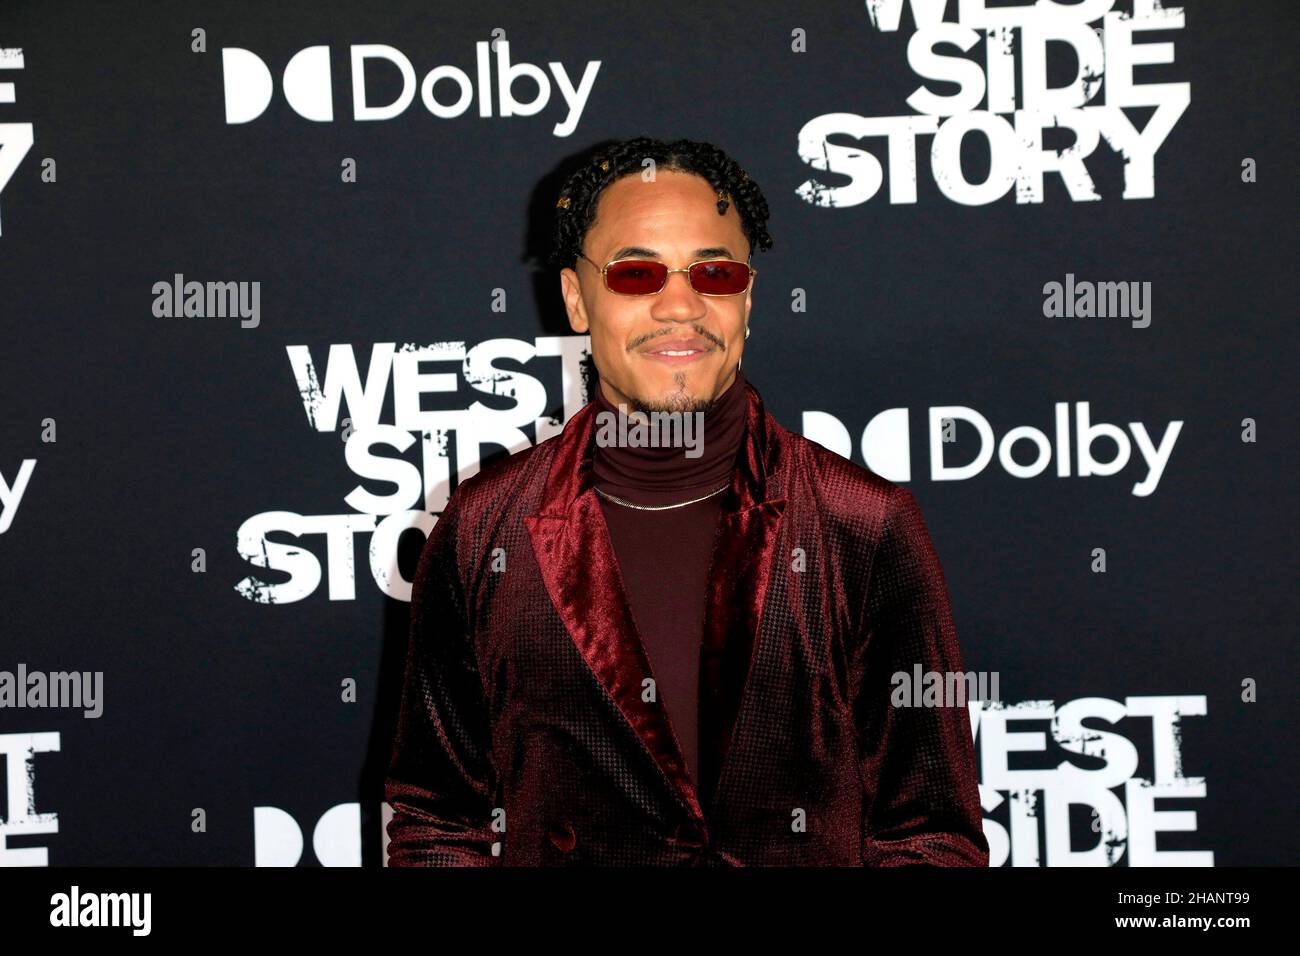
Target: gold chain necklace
<point>682,504</point>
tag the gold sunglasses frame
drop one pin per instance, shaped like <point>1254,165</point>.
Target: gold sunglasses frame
<point>687,269</point>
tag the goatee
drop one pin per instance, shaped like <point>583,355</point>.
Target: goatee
<point>679,401</point>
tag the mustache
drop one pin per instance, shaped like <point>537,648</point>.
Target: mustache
<point>705,333</point>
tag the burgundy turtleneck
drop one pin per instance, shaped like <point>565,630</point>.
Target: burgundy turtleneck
<point>664,556</point>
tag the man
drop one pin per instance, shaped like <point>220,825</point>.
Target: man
<point>632,656</point>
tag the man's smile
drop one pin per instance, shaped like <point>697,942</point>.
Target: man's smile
<point>678,351</point>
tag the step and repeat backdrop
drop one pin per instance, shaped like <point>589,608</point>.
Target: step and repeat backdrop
<point>272,284</point>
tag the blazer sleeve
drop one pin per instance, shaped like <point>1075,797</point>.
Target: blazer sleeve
<point>921,788</point>
<point>440,781</point>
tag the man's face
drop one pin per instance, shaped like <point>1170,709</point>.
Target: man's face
<point>673,220</point>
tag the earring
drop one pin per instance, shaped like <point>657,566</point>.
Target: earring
<point>746,331</point>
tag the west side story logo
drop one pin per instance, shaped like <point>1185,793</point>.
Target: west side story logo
<point>1105,44</point>
<point>408,463</point>
<point>1040,763</point>
<point>15,138</point>
<point>379,452</point>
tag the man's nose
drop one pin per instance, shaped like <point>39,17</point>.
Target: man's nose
<point>678,301</point>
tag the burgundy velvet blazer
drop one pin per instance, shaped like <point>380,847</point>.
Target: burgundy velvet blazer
<point>525,737</point>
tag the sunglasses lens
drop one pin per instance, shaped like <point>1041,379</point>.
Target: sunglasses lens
<point>720,277</point>
<point>636,277</point>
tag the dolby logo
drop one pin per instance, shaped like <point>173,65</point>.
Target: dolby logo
<point>446,91</point>
<point>1077,445</point>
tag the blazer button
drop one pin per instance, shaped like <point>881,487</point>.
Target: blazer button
<point>563,837</point>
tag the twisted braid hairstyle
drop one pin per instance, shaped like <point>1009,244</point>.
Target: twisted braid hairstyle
<point>575,209</point>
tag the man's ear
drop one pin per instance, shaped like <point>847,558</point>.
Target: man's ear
<point>571,291</point>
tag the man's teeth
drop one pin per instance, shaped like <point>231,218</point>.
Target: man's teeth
<point>686,352</point>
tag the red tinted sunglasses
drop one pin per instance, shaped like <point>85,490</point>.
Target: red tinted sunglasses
<point>648,277</point>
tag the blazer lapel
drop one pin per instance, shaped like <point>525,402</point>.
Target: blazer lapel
<point>744,549</point>
<point>577,562</point>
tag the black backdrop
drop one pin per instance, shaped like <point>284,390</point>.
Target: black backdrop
<point>229,730</point>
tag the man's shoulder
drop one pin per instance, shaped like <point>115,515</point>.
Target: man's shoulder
<point>841,487</point>
<point>867,518</point>
<point>492,498</point>
<point>505,478</point>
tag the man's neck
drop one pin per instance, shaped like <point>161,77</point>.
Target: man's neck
<point>648,472</point>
